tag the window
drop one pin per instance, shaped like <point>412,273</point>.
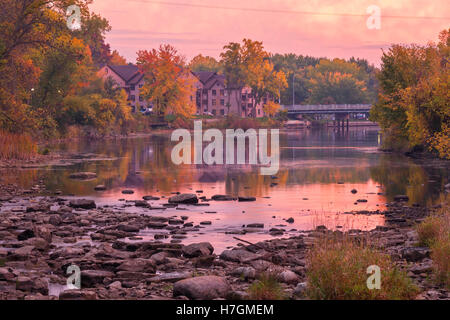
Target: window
<point>244,97</point>
<point>141,99</point>
<point>243,107</point>
<point>222,102</point>
<point>132,98</point>
<point>214,112</point>
<point>222,112</point>
<point>222,92</point>
<point>205,91</point>
<point>213,102</point>
<point>214,92</point>
<point>132,87</point>
<point>250,105</point>
<point>141,85</point>
<point>259,112</point>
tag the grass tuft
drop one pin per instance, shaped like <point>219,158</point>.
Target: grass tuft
<point>16,146</point>
<point>266,287</point>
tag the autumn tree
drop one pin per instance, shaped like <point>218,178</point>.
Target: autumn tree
<point>204,63</point>
<point>168,82</point>
<point>413,107</point>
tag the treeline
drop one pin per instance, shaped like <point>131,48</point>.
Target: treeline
<point>311,80</point>
<point>414,103</point>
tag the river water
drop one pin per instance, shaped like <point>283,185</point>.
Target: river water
<point>318,170</point>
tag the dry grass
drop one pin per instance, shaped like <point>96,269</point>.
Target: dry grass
<point>434,232</point>
<point>337,270</point>
<point>266,287</point>
<point>16,146</point>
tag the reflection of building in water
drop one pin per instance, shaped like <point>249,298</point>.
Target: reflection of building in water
<point>133,179</point>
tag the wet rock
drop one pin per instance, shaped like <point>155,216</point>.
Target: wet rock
<point>78,295</point>
<point>142,204</point>
<point>156,225</point>
<point>202,288</point>
<point>255,225</point>
<point>198,249</point>
<point>222,197</point>
<point>175,221</point>
<point>128,228</point>
<point>100,187</point>
<point>185,198</point>
<point>354,191</point>
<point>38,208</point>
<point>204,261</point>
<point>237,255</point>
<point>127,191</point>
<point>415,254</point>
<point>400,198</point>
<point>206,223</point>
<point>246,199</point>
<point>288,276</point>
<point>150,198</point>
<point>290,220</point>
<point>6,275</point>
<point>361,200</point>
<point>26,234</point>
<point>24,284</point>
<point>89,278</point>
<point>82,204</point>
<point>83,175</point>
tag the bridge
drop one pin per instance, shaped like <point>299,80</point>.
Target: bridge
<point>334,112</point>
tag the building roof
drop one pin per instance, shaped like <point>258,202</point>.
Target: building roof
<point>209,78</point>
<point>129,73</point>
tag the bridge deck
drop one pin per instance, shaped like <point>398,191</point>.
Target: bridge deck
<point>327,108</point>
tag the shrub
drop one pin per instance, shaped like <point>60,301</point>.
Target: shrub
<point>337,270</point>
<point>266,287</point>
<point>428,231</point>
<point>16,146</point>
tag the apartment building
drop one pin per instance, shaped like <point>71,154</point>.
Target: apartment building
<point>129,78</point>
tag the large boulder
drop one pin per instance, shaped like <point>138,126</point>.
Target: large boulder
<point>202,288</point>
<point>238,255</point>
<point>83,204</point>
<point>198,250</point>
<point>184,198</point>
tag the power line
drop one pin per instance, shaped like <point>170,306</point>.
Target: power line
<point>206,6</point>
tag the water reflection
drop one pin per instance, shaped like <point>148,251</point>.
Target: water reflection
<point>318,169</point>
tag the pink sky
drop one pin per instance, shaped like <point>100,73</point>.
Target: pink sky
<point>145,24</point>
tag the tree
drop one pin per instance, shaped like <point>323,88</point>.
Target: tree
<point>168,83</point>
<point>413,107</point>
<point>204,63</point>
<point>271,108</point>
<point>116,59</point>
<point>249,65</point>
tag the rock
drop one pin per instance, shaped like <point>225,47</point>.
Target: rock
<point>238,255</point>
<point>170,277</point>
<point>116,285</point>
<point>38,208</point>
<point>245,273</point>
<point>221,197</point>
<point>55,220</point>
<point>78,295</point>
<point>176,221</point>
<point>127,191</point>
<point>246,199</point>
<point>83,204</point>
<point>202,288</point>
<point>83,175</point>
<point>400,198</point>
<point>415,254</point>
<point>89,278</point>
<point>255,225</point>
<point>361,200</point>
<point>300,289</point>
<point>421,268</point>
<point>288,276</point>
<point>24,284</point>
<point>26,234</point>
<point>138,265</point>
<point>198,250</point>
<point>184,198</point>
<point>142,204</point>
<point>204,261</point>
<point>100,187</point>
<point>128,228</point>
<point>6,275</point>
<point>150,198</point>
<point>206,223</point>
<point>290,220</point>
<point>354,191</point>
<point>156,225</point>
<point>160,257</point>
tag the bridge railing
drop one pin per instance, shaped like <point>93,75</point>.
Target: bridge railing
<point>326,107</point>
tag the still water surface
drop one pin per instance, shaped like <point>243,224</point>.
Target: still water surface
<point>318,170</point>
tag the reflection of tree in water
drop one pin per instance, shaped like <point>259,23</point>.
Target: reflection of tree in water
<point>400,175</point>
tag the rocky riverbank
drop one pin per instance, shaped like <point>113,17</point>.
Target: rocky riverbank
<point>41,236</point>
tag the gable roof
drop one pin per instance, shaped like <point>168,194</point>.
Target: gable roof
<point>209,78</point>
<point>129,72</point>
